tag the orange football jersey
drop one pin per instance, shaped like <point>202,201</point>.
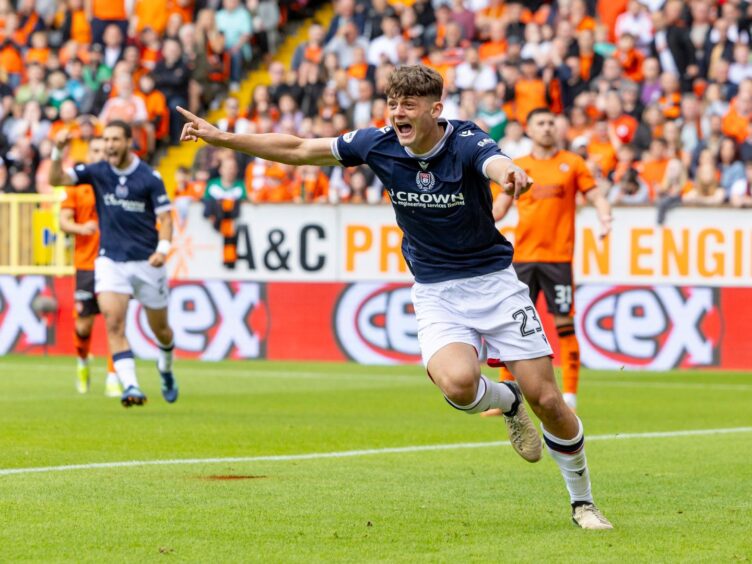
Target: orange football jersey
<point>81,200</point>
<point>545,229</point>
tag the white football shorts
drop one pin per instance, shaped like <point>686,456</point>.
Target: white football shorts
<point>493,309</point>
<point>146,283</point>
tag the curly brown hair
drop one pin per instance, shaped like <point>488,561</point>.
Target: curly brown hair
<point>415,80</point>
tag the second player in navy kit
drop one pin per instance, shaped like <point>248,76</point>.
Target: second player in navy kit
<point>437,173</point>
<point>130,198</point>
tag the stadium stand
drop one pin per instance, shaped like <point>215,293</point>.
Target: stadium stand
<point>637,85</point>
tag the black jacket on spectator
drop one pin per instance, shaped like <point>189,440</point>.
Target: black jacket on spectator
<point>358,19</point>
<point>726,54</point>
<point>373,20</point>
<point>642,137</point>
<point>294,90</point>
<point>571,86</point>
<point>309,103</point>
<point>172,81</point>
<point>681,47</point>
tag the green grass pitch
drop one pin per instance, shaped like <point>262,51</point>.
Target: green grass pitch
<point>672,497</point>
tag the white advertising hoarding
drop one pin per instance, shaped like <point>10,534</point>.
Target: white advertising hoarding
<point>362,243</point>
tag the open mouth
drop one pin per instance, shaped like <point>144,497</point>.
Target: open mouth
<point>404,128</point>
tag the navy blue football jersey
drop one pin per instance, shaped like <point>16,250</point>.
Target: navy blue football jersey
<point>128,202</point>
<point>441,199</point>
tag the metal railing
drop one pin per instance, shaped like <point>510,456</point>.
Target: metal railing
<point>30,238</point>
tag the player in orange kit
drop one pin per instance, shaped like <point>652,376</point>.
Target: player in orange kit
<point>544,237</point>
<point>78,217</point>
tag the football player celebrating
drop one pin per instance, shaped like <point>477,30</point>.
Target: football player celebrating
<point>465,290</point>
<point>130,198</point>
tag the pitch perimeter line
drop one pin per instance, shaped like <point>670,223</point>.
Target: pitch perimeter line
<point>353,453</point>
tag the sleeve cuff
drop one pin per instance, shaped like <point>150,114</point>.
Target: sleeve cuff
<point>162,209</point>
<point>335,149</point>
<point>488,161</point>
<point>72,173</point>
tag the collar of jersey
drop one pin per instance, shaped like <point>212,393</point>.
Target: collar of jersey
<point>127,170</point>
<point>436,148</point>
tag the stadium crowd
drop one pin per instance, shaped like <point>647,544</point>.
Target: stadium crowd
<point>77,64</point>
<point>655,95</point>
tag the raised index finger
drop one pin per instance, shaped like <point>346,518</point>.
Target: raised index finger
<point>186,114</point>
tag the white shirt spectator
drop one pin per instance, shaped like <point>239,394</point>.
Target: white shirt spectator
<point>242,125</point>
<point>740,188</point>
<point>539,52</point>
<point>664,53</point>
<point>481,77</point>
<point>739,72</point>
<point>361,115</point>
<point>344,49</point>
<point>381,46</point>
<point>653,5</point>
<point>516,149</point>
<point>639,26</point>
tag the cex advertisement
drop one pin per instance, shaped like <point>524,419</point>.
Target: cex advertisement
<point>619,326</point>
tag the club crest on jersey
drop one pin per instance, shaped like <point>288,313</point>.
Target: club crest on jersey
<point>122,190</point>
<point>425,180</point>
<point>564,167</point>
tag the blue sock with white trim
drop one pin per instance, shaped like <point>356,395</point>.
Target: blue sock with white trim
<point>569,454</point>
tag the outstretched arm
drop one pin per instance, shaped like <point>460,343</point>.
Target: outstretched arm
<point>277,147</point>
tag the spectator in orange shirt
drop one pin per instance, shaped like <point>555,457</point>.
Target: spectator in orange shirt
<point>66,120</point>
<point>39,52</point>
<point>126,106</point>
<point>626,160</point>
<point>312,50</point>
<point>278,185</point>
<point>591,63</point>
<point>103,13</point>
<point>736,122</point>
<point>156,107</point>
<point>601,152</point>
<point>149,13</point>
<point>492,52</point>
<point>310,185</point>
<point>579,17</point>
<point>622,126</point>
<point>654,165</point>
<point>670,100</point>
<point>529,90</point>
<point>629,57</point>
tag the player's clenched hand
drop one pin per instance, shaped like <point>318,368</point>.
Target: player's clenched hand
<point>197,128</point>
<point>157,259</point>
<point>516,182</point>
